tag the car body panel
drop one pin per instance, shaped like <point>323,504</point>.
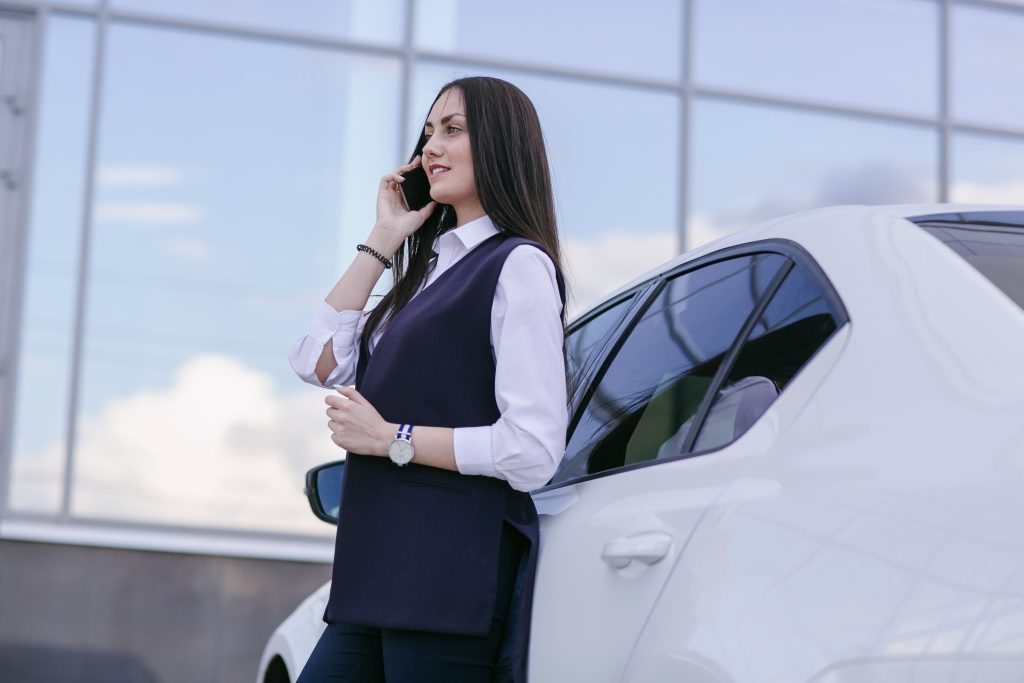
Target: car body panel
<point>894,537</point>
<point>865,528</point>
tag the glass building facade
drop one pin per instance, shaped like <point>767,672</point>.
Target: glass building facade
<point>184,181</point>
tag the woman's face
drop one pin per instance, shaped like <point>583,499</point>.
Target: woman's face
<point>447,157</point>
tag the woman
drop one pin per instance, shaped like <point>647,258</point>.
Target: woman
<point>461,367</point>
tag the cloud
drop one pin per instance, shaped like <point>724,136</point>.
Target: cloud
<point>604,262</point>
<point>218,447</point>
<point>138,176</point>
<point>873,183</point>
<point>189,248</point>
<point>1007,192</point>
<point>165,213</point>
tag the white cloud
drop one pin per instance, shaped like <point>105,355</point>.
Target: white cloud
<point>1008,192</point>
<point>599,265</point>
<point>163,213</point>
<point>137,176</point>
<point>218,447</point>
<point>189,248</point>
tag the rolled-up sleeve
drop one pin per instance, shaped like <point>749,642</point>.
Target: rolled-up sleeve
<point>526,444</point>
<point>344,328</point>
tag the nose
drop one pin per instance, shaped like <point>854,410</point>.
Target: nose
<point>430,147</point>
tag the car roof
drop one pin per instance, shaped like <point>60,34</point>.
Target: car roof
<point>777,228</point>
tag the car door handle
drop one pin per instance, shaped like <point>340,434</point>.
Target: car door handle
<point>648,548</point>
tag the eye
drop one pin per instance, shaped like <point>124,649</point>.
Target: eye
<point>451,128</point>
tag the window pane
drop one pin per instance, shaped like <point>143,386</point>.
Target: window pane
<point>615,172</point>
<point>590,337</point>
<point>795,324</point>
<point>987,169</point>
<point>642,407</point>
<point>764,47</point>
<point>226,207</point>
<point>997,252</point>
<point>752,163</point>
<point>51,273</point>
<point>377,21</point>
<point>641,39</point>
<point>987,66</point>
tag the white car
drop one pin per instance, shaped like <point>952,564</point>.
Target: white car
<point>795,454</point>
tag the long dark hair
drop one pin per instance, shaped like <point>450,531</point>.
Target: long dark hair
<point>513,182</point>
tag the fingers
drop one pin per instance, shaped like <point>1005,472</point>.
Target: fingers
<point>427,210</point>
<point>351,394</point>
<point>388,179</point>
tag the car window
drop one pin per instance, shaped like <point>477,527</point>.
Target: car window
<point>997,251</point>
<point>589,337</point>
<point>796,323</point>
<point>657,378</point>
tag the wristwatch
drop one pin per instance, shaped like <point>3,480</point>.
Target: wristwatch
<point>400,449</point>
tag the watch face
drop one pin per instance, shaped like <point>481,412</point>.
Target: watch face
<point>400,451</point>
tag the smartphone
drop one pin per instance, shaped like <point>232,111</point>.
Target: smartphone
<point>416,188</point>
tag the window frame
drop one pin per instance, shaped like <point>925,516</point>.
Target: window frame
<point>648,292</point>
<point>597,356</point>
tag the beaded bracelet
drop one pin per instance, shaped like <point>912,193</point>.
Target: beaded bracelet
<point>373,252</point>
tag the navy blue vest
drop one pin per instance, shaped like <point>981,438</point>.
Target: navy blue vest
<point>417,547</point>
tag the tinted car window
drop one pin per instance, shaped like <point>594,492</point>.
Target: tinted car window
<point>656,380</point>
<point>996,251</point>
<point>796,323</point>
<point>585,340</point>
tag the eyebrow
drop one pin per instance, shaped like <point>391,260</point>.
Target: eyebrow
<point>444,119</point>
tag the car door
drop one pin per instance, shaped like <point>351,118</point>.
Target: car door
<point>626,496</point>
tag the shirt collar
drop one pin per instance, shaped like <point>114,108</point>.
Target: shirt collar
<point>471,233</point>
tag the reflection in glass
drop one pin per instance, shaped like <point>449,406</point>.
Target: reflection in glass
<point>796,323</point>
<point>986,65</point>
<point>589,338</point>
<point>51,272</point>
<point>234,179</point>
<point>615,168</point>
<point>753,163</point>
<point>376,21</point>
<point>987,169</point>
<point>763,47</point>
<point>328,486</point>
<point>996,251</point>
<point>642,407</point>
<point>641,39</point>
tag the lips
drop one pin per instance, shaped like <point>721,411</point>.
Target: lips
<point>437,169</point>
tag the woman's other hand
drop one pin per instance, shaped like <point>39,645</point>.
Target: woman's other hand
<point>392,214</point>
<point>356,425</point>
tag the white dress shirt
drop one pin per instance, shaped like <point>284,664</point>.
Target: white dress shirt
<point>526,444</point>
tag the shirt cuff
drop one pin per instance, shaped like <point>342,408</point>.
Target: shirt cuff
<point>473,454</point>
<point>324,324</point>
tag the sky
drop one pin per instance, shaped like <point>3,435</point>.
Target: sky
<point>234,177</point>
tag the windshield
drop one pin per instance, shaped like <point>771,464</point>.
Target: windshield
<point>992,242</point>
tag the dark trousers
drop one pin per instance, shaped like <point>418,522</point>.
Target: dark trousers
<point>352,653</point>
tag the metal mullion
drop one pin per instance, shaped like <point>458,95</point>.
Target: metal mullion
<point>243,31</point>
<point>993,4</point>
<point>114,523</point>
<point>83,258</point>
<point>729,360</point>
<point>19,245</point>
<point>685,125</point>
<point>945,7</point>
<point>986,130</point>
<point>110,533</point>
<point>811,105</point>
<point>38,8</point>
<point>408,59</point>
<point>546,70</point>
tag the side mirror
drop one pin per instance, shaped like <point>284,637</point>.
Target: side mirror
<point>323,490</point>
